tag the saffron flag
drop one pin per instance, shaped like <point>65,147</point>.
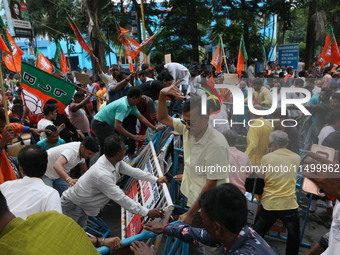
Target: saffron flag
<point>217,58</point>
<point>5,44</point>
<point>330,52</point>
<point>43,63</point>
<point>146,45</point>
<point>57,73</point>
<point>60,58</point>
<point>130,44</point>
<point>132,70</point>
<point>13,61</point>
<point>39,86</point>
<point>79,37</point>
<point>242,57</point>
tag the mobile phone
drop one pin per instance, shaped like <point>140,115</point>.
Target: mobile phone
<point>310,187</point>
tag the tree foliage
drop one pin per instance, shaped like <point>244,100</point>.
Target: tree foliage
<point>190,25</point>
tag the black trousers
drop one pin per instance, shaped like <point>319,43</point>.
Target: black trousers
<point>291,221</point>
<point>102,130</point>
<point>129,124</point>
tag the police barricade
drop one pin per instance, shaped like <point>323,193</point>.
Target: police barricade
<point>147,194</point>
<point>166,154</point>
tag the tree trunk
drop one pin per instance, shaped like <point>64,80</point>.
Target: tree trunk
<point>191,12</point>
<point>92,9</point>
<point>147,27</point>
<point>280,33</point>
<point>310,38</point>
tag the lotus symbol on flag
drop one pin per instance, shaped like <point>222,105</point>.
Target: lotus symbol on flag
<point>45,64</point>
<point>217,60</point>
<point>34,103</point>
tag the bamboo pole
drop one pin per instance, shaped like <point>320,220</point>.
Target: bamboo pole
<point>4,101</point>
<point>223,54</point>
<point>143,27</point>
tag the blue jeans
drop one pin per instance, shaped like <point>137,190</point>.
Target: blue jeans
<point>59,184</point>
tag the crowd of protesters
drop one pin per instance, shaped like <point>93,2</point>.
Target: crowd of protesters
<point>55,167</point>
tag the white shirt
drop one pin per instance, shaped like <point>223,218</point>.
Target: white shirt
<point>42,124</point>
<point>251,71</point>
<point>70,151</point>
<point>325,131</point>
<point>30,195</point>
<point>106,78</point>
<point>334,233</point>
<point>316,90</point>
<point>179,72</point>
<point>293,95</point>
<point>98,185</point>
<point>92,89</point>
<point>195,84</point>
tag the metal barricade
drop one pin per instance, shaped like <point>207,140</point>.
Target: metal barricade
<point>146,159</point>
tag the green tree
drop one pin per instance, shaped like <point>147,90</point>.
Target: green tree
<point>185,28</point>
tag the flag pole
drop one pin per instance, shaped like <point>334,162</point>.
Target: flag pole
<point>223,54</point>
<point>143,26</point>
<point>4,101</point>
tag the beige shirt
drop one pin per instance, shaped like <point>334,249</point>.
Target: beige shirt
<point>203,159</point>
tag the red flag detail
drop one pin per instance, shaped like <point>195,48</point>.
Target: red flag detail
<point>131,45</point>
<point>13,62</point>
<point>44,64</point>
<point>132,70</point>
<point>79,37</point>
<point>63,63</point>
<point>242,57</point>
<point>330,52</point>
<point>217,58</point>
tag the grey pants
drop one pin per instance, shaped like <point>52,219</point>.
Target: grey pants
<point>74,211</point>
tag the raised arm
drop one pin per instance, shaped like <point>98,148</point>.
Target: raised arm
<point>81,104</point>
<point>162,111</point>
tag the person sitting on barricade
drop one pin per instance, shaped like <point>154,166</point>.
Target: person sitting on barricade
<point>224,213</point>
<point>98,185</point>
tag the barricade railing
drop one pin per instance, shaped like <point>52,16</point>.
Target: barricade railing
<point>165,155</point>
<point>127,241</point>
<point>159,195</point>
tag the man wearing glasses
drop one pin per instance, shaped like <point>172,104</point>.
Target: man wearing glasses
<point>206,152</point>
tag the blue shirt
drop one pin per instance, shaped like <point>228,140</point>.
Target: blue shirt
<point>43,143</point>
<point>248,241</point>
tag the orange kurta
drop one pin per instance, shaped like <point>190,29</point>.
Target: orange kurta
<point>6,170</point>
